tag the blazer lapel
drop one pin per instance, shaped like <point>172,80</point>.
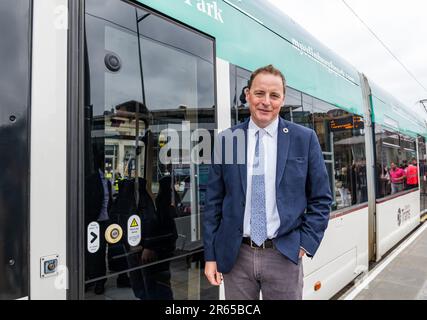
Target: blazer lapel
<point>283,142</point>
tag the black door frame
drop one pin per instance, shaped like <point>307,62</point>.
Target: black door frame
<point>75,154</point>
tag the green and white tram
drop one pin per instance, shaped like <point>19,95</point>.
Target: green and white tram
<point>87,208</point>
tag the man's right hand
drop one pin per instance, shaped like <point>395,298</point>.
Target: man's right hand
<point>211,273</point>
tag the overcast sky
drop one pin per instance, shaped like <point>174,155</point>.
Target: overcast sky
<point>401,25</point>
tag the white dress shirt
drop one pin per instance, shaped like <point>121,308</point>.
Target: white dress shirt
<point>270,161</point>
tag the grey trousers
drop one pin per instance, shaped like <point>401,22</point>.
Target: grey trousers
<point>265,270</point>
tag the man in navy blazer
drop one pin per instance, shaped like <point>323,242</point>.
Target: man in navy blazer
<point>268,203</point>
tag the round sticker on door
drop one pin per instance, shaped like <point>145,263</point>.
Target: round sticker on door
<point>113,234</point>
<point>93,237</point>
<point>134,230</point>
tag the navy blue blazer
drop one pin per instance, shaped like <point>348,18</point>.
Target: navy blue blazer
<point>303,198</point>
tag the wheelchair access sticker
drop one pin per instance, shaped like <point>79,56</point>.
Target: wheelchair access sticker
<point>134,230</point>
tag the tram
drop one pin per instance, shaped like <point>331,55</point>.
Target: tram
<point>89,87</point>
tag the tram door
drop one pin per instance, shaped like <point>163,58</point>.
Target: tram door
<point>14,147</point>
<point>149,87</point>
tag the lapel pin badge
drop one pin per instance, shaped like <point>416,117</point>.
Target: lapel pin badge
<point>285,130</point>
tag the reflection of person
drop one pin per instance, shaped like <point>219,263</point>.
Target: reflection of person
<point>397,175</point>
<point>158,240</point>
<point>242,111</point>
<point>412,174</point>
<point>404,164</point>
<point>167,201</point>
<point>98,203</point>
<point>162,243</point>
<point>242,98</point>
<point>422,166</point>
<point>117,180</point>
<point>255,215</point>
<point>351,171</point>
<point>384,180</point>
<point>343,187</point>
<point>362,182</point>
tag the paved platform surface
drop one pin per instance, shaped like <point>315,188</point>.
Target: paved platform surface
<point>405,277</point>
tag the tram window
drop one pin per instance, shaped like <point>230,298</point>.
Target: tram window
<point>422,156</point>
<point>397,168</point>
<point>293,101</point>
<point>302,114</point>
<point>321,121</point>
<point>137,86</point>
<point>342,141</point>
<point>292,97</point>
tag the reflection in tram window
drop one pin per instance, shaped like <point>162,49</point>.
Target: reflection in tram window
<point>239,79</point>
<point>145,74</point>
<point>342,140</point>
<point>422,155</point>
<point>293,101</point>
<point>397,167</point>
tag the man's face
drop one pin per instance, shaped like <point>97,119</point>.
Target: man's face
<point>265,98</point>
<point>393,166</point>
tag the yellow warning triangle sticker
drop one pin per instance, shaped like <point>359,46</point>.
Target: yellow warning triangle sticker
<point>134,223</point>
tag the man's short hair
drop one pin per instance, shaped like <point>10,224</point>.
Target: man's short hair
<point>268,69</point>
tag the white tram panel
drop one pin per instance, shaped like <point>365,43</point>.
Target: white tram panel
<point>395,219</point>
<point>342,256</point>
<point>223,94</point>
<point>48,146</point>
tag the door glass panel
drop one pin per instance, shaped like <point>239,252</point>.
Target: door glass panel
<point>145,79</point>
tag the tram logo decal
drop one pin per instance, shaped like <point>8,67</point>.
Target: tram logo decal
<point>403,215</point>
<point>209,8</point>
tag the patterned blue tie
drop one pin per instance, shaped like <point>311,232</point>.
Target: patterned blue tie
<point>258,211</point>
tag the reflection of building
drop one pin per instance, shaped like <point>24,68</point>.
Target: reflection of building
<point>117,131</point>
<point>119,128</point>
